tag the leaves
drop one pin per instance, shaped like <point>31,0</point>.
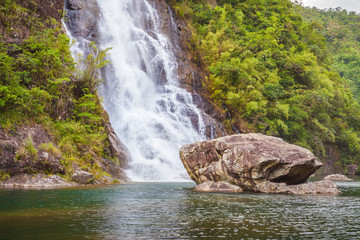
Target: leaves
<point>41,83</point>
<point>272,69</point>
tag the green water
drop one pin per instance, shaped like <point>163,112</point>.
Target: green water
<point>174,211</point>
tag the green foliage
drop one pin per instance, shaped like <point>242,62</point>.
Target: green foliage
<point>50,148</point>
<point>4,176</point>
<point>273,90</point>
<point>28,72</point>
<point>27,151</point>
<point>30,148</point>
<point>271,71</point>
<point>78,144</point>
<point>88,77</point>
<point>341,31</point>
<point>41,83</point>
<point>87,109</point>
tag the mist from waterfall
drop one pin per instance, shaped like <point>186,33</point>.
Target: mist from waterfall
<point>150,113</point>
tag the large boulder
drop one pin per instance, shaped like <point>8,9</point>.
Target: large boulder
<point>82,177</point>
<point>246,160</point>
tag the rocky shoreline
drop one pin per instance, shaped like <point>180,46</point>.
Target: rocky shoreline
<point>30,157</point>
<point>44,181</point>
<point>40,180</point>
<point>31,154</point>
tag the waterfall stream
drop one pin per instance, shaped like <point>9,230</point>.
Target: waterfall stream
<point>150,113</point>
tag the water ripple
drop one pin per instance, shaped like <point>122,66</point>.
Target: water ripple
<point>174,211</point>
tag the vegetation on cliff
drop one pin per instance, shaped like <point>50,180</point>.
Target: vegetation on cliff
<point>341,31</point>
<point>40,84</point>
<point>271,72</point>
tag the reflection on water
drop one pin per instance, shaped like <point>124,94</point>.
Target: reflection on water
<point>174,211</point>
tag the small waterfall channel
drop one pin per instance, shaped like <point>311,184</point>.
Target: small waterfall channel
<point>150,113</point>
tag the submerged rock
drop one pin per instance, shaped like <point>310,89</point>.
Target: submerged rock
<point>224,187</point>
<point>325,187</point>
<point>337,177</point>
<point>253,162</point>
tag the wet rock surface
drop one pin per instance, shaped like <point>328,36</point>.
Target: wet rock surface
<point>82,18</point>
<point>325,187</point>
<point>213,127</point>
<point>254,162</point>
<point>337,177</point>
<point>172,30</point>
<point>118,150</point>
<point>190,74</point>
<point>223,187</point>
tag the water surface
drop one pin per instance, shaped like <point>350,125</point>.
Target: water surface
<point>174,211</point>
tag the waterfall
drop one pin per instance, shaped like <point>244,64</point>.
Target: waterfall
<point>150,113</point>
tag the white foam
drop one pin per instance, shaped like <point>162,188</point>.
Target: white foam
<point>148,110</point>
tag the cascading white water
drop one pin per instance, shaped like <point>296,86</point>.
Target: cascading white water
<point>150,113</point>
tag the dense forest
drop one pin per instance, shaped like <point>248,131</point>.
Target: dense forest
<point>275,72</point>
<point>41,85</point>
<point>341,31</point>
<point>271,66</point>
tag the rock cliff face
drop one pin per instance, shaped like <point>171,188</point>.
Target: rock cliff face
<point>82,19</point>
<point>190,75</point>
<point>21,26</point>
<point>20,152</point>
<point>28,153</point>
<point>251,162</point>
